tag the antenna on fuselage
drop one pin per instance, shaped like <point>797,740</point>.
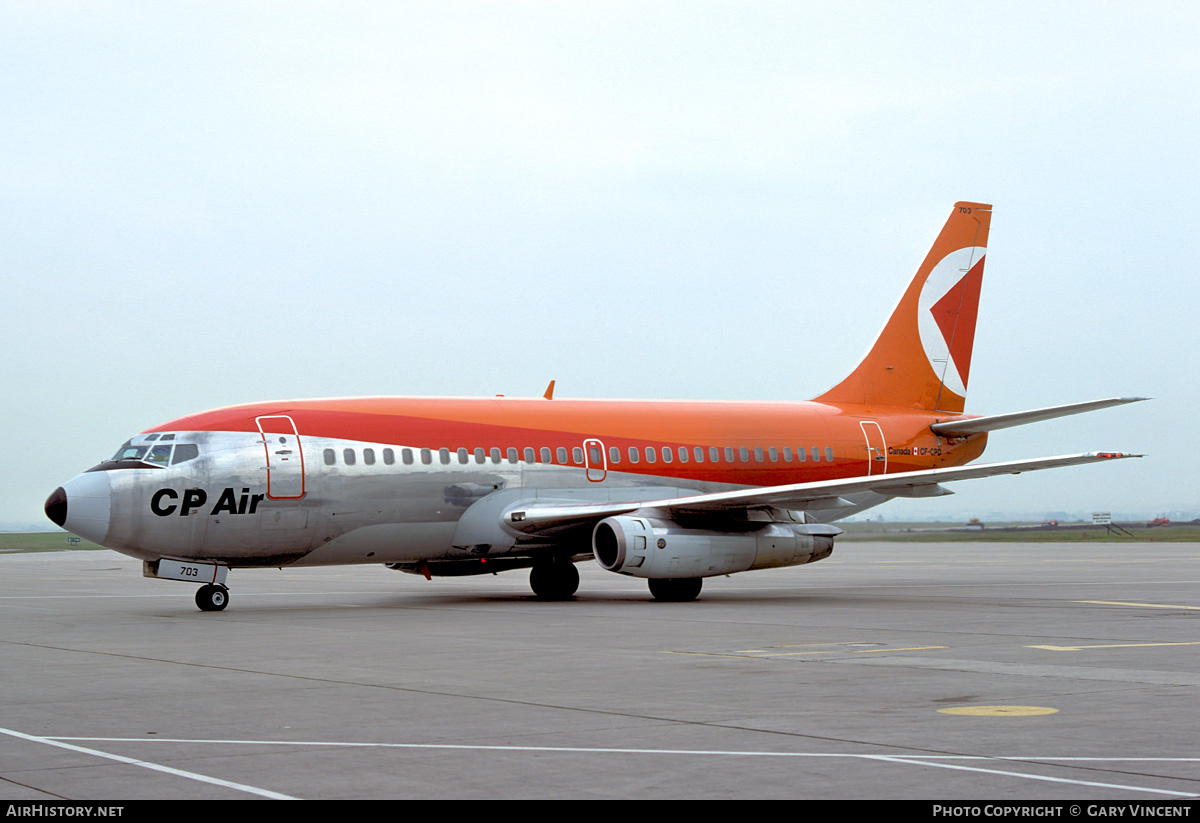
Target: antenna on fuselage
<point>549,395</point>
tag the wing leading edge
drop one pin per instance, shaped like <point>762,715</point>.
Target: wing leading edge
<point>552,519</point>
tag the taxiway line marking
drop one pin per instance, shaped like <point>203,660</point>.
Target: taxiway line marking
<point>823,646</point>
<point>830,648</point>
<point>145,764</point>
<point>913,760</point>
<point>1142,605</point>
<point>1046,778</point>
<point>1111,646</point>
<point>764,653</point>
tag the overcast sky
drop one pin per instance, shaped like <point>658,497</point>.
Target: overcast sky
<point>210,203</point>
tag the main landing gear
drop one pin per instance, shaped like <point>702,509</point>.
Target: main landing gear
<point>554,578</point>
<point>212,598</point>
<point>675,590</point>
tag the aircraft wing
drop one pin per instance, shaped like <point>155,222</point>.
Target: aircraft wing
<point>553,519</point>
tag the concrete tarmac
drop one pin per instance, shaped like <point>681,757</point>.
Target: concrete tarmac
<point>962,671</point>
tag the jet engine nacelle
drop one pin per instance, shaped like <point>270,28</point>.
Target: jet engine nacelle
<point>655,548</point>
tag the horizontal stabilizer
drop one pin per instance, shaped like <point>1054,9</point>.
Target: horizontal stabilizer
<point>978,425</point>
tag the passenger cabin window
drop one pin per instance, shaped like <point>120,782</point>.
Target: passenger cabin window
<point>714,454</point>
<point>614,454</point>
<point>816,453</point>
<point>829,453</point>
<point>800,454</point>
<point>462,456</point>
<point>369,457</point>
<point>330,457</point>
<point>348,456</point>
<point>729,454</point>
<point>389,457</point>
<point>683,454</point>
<point>666,454</point>
<point>745,454</point>
<point>651,457</point>
<point>577,455</point>
<point>562,455</point>
<point>529,458</point>
<point>480,456</point>
<point>546,454</point>
<point>633,454</point>
<point>512,455</point>
<point>698,453</point>
<point>444,456</point>
<point>787,454</point>
<point>426,457</point>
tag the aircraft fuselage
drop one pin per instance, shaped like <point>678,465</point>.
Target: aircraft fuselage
<point>386,480</point>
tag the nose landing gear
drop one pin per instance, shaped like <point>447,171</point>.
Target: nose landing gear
<point>212,598</point>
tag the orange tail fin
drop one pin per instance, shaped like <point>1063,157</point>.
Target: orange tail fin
<point>922,358</point>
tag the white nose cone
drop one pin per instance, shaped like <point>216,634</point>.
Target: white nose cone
<point>89,506</point>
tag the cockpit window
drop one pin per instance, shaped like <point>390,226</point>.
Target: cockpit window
<point>159,455</point>
<point>185,451</point>
<point>130,452</point>
<point>154,454</point>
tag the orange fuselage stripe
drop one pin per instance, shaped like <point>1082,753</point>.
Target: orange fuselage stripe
<point>505,423</point>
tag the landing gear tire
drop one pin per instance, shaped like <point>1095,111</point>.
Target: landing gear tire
<point>212,598</point>
<point>556,579</point>
<point>675,590</point>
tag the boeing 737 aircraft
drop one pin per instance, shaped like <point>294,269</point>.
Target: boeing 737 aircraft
<point>670,491</point>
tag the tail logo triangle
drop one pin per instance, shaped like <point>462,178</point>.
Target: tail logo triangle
<point>947,310</point>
